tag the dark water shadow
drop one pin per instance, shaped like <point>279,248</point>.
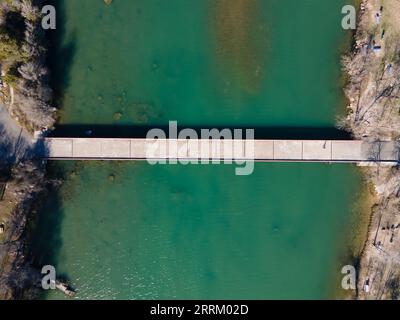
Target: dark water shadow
<point>60,53</point>
<point>135,131</point>
<point>46,241</point>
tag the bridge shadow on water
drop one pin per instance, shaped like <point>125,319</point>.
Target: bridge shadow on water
<point>140,131</point>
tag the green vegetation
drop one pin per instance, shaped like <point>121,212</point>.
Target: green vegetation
<point>22,61</point>
<point>12,37</point>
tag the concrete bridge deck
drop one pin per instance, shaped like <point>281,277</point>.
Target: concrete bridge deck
<point>259,150</point>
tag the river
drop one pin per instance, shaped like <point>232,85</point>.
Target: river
<point>135,231</point>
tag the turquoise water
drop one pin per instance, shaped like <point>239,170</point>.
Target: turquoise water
<point>156,61</point>
<point>200,232</point>
<point>134,231</point>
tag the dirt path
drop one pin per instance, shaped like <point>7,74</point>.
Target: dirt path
<point>15,142</point>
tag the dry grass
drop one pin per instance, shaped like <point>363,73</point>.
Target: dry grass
<point>374,93</point>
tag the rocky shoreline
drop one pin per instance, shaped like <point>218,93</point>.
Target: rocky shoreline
<point>26,95</point>
<point>373,90</point>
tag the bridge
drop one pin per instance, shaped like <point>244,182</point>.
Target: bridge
<point>325,151</point>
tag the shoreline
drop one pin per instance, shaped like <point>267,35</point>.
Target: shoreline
<point>352,243</point>
<point>27,99</point>
<point>373,116</point>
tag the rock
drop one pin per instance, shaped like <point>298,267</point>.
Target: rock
<point>117,116</point>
